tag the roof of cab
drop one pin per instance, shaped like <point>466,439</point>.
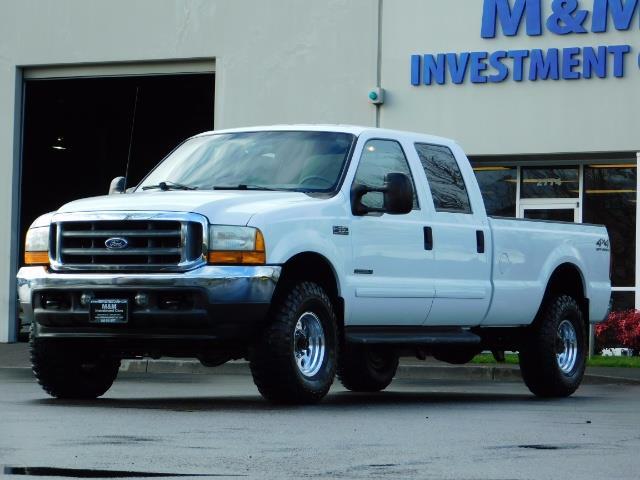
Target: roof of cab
<point>352,129</point>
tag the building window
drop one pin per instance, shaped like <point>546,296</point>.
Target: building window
<point>447,186</point>
<point>498,186</point>
<point>610,199</point>
<point>550,182</point>
<point>623,301</point>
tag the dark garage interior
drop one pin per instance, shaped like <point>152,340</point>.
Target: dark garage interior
<point>76,133</point>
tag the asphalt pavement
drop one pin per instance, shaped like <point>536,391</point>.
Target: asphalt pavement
<point>217,426</point>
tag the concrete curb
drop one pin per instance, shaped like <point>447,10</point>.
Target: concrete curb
<point>406,372</point>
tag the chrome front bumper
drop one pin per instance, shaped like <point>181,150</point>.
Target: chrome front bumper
<point>230,293</point>
<point>223,284</point>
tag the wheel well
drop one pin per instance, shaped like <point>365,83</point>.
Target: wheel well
<point>316,268</point>
<point>567,279</point>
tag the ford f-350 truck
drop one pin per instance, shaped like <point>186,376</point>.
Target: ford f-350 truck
<point>311,251</point>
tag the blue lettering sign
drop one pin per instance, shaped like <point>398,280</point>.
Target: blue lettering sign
<point>518,63</point>
<point>457,66</point>
<point>510,19</point>
<point>570,62</point>
<point>566,17</point>
<point>495,60</point>
<point>620,10</point>
<point>594,62</point>
<point>618,52</point>
<point>478,67</point>
<point>543,67</point>
<point>434,67</point>
<point>415,70</point>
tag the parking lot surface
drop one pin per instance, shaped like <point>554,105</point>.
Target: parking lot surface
<point>217,426</point>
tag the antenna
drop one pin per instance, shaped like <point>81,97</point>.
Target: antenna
<point>133,124</point>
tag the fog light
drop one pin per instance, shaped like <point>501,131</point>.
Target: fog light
<point>85,298</point>
<point>142,299</point>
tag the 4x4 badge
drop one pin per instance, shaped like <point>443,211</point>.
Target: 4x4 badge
<point>602,245</point>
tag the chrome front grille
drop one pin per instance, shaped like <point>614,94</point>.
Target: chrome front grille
<point>138,242</point>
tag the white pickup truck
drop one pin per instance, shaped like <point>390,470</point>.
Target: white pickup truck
<point>311,251</point>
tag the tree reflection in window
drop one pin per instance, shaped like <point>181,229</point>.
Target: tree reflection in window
<point>445,179</point>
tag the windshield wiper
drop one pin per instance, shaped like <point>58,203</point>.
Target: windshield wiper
<point>243,187</point>
<point>168,185</point>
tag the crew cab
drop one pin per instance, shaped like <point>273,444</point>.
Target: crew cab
<point>311,251</point>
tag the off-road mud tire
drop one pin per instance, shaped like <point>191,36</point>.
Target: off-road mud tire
<point>538,357</point>
<point>272,357</point>
<point>70,373</point>
<point>362,368</point>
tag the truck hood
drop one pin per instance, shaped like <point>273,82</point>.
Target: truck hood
<point>222,207</point>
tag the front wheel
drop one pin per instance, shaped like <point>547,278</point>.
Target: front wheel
<point>294,361</point>
<point>553,359</point>
<point>71,373</point>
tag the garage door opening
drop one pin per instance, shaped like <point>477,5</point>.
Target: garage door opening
<point>76,133</point>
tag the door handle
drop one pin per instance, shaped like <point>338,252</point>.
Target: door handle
<point>480,240</point>
<point>428,238</point>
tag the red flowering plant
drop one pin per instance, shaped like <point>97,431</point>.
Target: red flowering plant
<point>621,329</point>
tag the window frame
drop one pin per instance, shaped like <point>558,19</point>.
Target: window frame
<point>464,182</point>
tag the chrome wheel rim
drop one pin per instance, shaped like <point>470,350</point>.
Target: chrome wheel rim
<point>309,344</point>
<point>567,350</point>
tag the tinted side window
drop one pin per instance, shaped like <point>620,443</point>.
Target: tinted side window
<point>445,179</point>
<point>380,157</point>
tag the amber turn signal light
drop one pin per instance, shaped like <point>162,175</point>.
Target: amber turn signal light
<point>36,258</point>
<point>245,258</point>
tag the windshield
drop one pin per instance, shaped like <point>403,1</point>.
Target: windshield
<point>302,161</point>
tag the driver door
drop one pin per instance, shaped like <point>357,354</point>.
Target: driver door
<point>387,284</point>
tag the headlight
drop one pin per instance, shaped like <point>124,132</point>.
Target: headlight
<point>36,246</point>
<point>236,245</point>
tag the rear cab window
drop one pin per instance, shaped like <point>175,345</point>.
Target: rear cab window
<point>448,189</point>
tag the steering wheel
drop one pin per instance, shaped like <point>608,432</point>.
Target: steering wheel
<point>316,177</point>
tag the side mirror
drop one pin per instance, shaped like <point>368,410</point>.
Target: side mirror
<point>117,185</point>
<point>397,191</point>
<point>398,195</point>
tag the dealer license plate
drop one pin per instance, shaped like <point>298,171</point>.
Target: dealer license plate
<point>109,311</point>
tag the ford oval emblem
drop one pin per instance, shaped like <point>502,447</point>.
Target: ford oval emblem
<point>116,243</point>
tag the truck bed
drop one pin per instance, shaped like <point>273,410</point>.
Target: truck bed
<point>525,255</point>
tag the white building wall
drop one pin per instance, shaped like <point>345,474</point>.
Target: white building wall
<point>586,115</point>
<point>284,61</point>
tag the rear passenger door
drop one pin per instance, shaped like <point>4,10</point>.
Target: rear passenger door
<point>460,240</point>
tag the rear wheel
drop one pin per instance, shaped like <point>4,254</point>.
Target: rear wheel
<point>65,372</point>
<point>364,368</point>
<point>553,359</point>
<point>294,361</point>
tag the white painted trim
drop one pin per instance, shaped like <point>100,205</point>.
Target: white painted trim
<point>518,179</point>
<point>551,204</point>
<point>623,289</point>
<point>580,192</point>
<point>637,234</point>
<point>200,65</point>
<point>8,315</point>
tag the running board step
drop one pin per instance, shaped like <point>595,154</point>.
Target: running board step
<point>411,336</point>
